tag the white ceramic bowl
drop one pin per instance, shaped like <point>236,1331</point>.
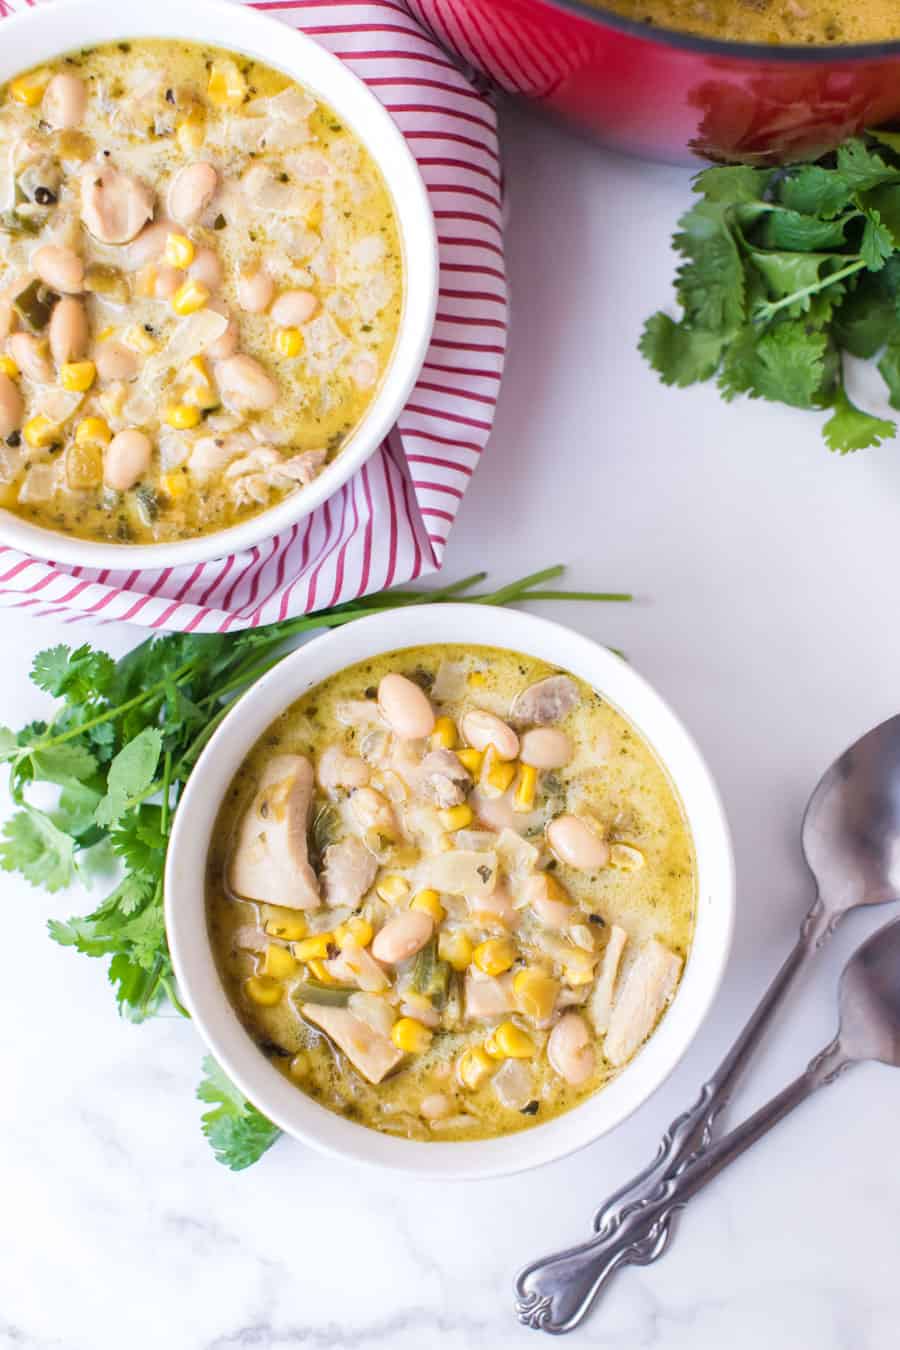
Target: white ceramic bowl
<point>42,34</point>
<point>199,982</point>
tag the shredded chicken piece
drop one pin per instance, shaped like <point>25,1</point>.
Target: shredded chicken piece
<point>348,872</point>
<point>646,990</point>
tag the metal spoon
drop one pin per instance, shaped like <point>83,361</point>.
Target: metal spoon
<point>870,1030</point>
<point>851,841</point>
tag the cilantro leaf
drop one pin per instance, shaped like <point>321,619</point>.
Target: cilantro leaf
<point>238,1132</point>
<point>79,676</point>
<point>65,763</point>
<point>732,183</point>
<point>877,243</point>
<point>889,369</point>
<point>681,355</point>
<point>785,365</point>
<point>9,743</point>
<point>710,284</point>
<point>31,844</point>
<point>130,774</point>
<point>863,168</point>
<point>849,428</point>
<point>780,228</point>
<point>814,191</point>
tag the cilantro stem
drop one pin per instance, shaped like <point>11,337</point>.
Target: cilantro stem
<point>768,310</point>
<point>166,787</point>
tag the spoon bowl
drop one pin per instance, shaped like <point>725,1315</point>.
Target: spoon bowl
<point>851,829</point>
<point>870,999</point>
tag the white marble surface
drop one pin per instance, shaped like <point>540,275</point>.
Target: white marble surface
<point>767,576</point>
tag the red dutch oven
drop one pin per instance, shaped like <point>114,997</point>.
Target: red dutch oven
<point>668,95</point>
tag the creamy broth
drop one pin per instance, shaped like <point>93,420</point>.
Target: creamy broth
<point>535,943</point>
<point>778,22</point>
<point>200,290</point>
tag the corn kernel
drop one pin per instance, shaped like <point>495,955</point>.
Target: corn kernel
<point>497,773</point>
<point>355,930</point>
<point>472,1068</point>
<point>430,903</point>
<point>299,1066</point>
<point>392,889</point>
<point>456,949</point>
<point>145,282</point>
<point>456,817</point>
<point>314,216</point>
<point>190,135</point>
<point>182,416</point>
<point>175,485</point>
<point>84,466</point>
<point>410,1036</point>
<point>226,86</point>
<point>477,679</point>
<point>179,251</point>
<point>285,923</point>
<point>494,956</point>
<point>93,431</point>
<point>29,89</point>
<point>278,963</point>
<point>105,333</point>
<point>471,759</point>
<point>320,972</point>
<point>578,967</point>
<point>444,733</point>
<point>535,993</point>
<point>523,797</point>
<point>263,990</point>
<point>190,297</point>
<point>311,948</point>
<point>39,431</point>
<point>289,342</point>
<point>444,843</point>
<point>509,1042</point>
<point>77,376</point>
<point>8,367</point>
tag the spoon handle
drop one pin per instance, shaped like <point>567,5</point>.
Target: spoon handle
<point>691,1132</point>
<point>556,1292</point>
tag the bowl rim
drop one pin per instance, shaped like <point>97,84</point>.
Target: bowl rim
<point>750,52</point>
<point>44,33</point>
<point>218,1023</point>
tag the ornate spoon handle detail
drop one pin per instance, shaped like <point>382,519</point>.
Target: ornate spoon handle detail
<point>555,1293</point>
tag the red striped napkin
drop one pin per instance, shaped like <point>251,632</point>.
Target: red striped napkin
<point>389,523</point>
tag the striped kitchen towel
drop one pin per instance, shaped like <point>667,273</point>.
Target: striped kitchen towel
<point>390,522</point>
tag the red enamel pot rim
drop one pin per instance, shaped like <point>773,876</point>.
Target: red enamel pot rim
<point>751,52</point>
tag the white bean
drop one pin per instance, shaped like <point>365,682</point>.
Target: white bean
<point>482,729</point>
<point>115,361</point>
<point>244,384</point>
<point>166,281</point>
<point>226,345</point>
<point>405,707</point>
<point>30,355</point>
<point>402,936</point>
<point>545,748</point>
<point>255,291</point>
<point>68,330</point>
<point>149,245</point>
<point>59,268</point>
<point>64,102</point>
<point>293,308</point>
<point>576,844</point>
<point>570,1050</point>
<point>127,459</point>
<point>207,268</point>
<point>115,206</point>
<point>551,912</point>
<point>12,407</point>
<point>191,191</point>
<point>435,1106</point>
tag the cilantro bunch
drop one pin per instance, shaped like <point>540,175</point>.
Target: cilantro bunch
<point>114,757</point>
<point>785,271</point>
